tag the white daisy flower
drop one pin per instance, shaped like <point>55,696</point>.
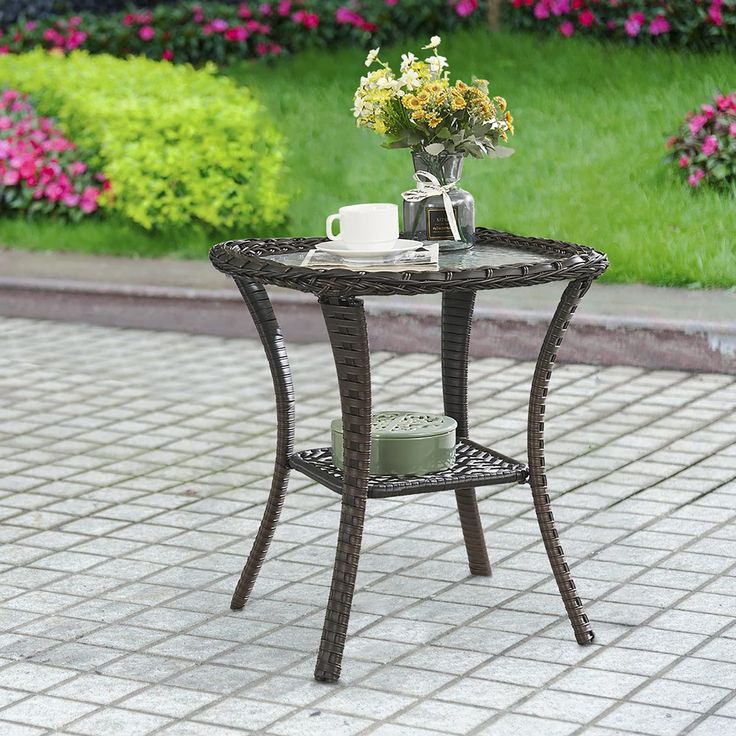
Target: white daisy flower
<point>436,64</point>
<point>407,60</point>
<point>372,56</point>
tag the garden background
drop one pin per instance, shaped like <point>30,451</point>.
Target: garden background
<point>173,125</point>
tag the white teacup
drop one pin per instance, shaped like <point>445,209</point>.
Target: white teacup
<point>365,225</point>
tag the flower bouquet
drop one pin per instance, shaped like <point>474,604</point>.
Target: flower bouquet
<point>441,123</point>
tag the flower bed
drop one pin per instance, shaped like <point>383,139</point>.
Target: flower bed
<point>41,171</point>
<point>704,148</point>
<point>223,33</point>
<point>180,145</point>
<point>693,23</point>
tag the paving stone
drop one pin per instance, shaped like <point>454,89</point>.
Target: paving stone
<point>45,711</point>
<point>129,503</point>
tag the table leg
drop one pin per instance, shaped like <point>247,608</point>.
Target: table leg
<point>535,445</point>
<point>457,316</point>
<point>345,320</point>
<point>259,304</point>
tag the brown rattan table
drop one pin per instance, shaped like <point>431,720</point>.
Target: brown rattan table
<point>497,261</point>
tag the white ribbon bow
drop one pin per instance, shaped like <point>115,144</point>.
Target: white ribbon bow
<point>429,186</point>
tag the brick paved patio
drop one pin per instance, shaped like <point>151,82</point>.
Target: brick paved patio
<point>133,466</point>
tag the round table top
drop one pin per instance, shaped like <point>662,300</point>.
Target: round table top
<point>497,260</point>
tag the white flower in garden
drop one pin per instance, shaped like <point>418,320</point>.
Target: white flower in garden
<point>410,79</point>
<point>407,60</point>
<point>434,42</point>
<point>436,65</point>
<point>372,56</point>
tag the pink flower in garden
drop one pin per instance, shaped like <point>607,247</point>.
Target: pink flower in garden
<point>6,122</point>
<point>146,33</point>
<point>559,7</point>
<point>714,14</point>
<point>167,55</point>
<point>586,18</point>
<point>683,162</point>
<point>237,33</point>
<point>694,179</point>
<point>77,168</point>
<point>541,11</point>
<point>567,28</point>
<point>76,39</point>
<point>697,122</point>
<point>264,9</point>
<point>88,201</point>
<point>31,25</point>
<point>633,24</point>
<point>732,130</point>
<point>129,19</point>
<point>283,8</point>
<point>207,29</point>
<point>710,145</point>
<point>308,20</point>
<point>391,2</point>
<point>708,110</point>
<point>261,48</point>
<point>4,50</point>
<point>75,20</point>
<point>464,8</point>
<point>244,11</point>
<point>70,199</point>
<point>659,25</point>
<point>611,25</point>
<point>11,178</point>
<point>219,25</point>
<point>54,191</point>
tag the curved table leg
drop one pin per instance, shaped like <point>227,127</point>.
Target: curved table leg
<point>259,304</point>
<point>535,446</point>
<point>345,320</point>
<point>457,316</point>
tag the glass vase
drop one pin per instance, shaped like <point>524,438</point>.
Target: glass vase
<point>427,219</point>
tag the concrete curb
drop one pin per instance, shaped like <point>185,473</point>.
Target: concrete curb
<point>398,325</point>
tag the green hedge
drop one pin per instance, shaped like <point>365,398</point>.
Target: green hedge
<point>179,145</point>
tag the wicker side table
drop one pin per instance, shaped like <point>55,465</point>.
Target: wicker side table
<point>498,260</point>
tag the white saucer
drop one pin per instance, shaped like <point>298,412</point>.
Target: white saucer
<point>336,248</point>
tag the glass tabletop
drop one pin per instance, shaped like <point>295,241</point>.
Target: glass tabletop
<point>479,256</point>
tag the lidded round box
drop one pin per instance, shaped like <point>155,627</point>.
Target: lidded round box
<point>404,443</point>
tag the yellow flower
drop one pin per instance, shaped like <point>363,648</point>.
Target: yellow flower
<point>509,118</point>
<point>418,115</point>
<point>434,120</point>
<point>379,126</point>
<point>461,86</point>
<point>501,103</point>
<point>457,101</point>
<point>411,102</point>
<point>435,87</point>
<point>423,97</point>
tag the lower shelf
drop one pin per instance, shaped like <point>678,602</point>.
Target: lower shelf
<point>474,465</point>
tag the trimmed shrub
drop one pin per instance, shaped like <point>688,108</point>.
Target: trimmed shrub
<point>179,145</point>
<point>704,148</point>
<point>41,171</point>
<point>223,33</point>
<point>699,24</point>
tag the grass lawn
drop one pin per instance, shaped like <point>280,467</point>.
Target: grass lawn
<point>591,120</point>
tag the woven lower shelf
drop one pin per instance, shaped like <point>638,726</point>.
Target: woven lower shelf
<point>474,465</point>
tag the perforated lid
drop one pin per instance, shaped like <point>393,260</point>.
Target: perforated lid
<point>387,424</point>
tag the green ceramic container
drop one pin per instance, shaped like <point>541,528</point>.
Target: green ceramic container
<point>405,443</point>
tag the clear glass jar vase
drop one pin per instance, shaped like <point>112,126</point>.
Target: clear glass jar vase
<point>427,219</point>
